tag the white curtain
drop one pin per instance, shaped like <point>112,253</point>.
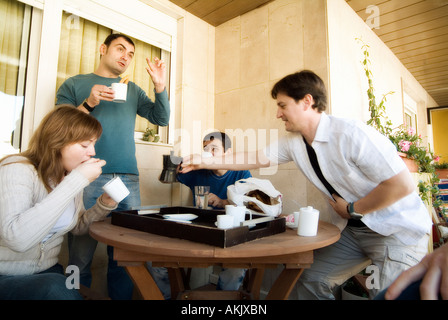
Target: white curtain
<point>11,22</point>
<point>12,71</point>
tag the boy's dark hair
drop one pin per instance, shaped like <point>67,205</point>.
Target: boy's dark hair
<point>114,36</point>
<point>299,84</point>
<point>225,140</point>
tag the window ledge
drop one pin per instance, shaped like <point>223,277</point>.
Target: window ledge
<point>140,141</point>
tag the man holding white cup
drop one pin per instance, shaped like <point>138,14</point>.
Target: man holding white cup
<point>92,93</point>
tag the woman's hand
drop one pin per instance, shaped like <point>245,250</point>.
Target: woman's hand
<point>91,169</point>
<point>107,200</point>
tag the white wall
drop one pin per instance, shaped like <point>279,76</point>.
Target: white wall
<point>348,82</point>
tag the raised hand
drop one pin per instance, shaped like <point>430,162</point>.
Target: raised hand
<point>157,72</point>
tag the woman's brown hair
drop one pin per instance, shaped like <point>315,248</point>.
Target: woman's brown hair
<point>62,126</point>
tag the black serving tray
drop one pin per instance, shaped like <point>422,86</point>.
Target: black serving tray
<point>202,229</point>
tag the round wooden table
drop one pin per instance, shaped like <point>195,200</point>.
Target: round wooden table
<point>132,248</point>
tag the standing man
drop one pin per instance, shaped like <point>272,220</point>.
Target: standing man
<point>91,93</point>
<point>359,171</point>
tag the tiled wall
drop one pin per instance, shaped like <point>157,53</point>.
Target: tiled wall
<point>254,51</point>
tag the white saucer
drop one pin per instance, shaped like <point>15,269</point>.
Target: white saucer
<point>291,225</point>
<point>180,216</point>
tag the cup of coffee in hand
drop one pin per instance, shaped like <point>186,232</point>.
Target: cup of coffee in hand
<point>121,91</point>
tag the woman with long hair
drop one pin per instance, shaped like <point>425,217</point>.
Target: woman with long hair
<point>41,200</point>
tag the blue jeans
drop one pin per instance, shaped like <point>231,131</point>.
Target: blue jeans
<point>46,285</point>
<point>230,279</point>
<point>82,248</point>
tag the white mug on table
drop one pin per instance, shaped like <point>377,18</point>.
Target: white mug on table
<point>238,213</point>
<point>224,221</point>
<point>308,222</point>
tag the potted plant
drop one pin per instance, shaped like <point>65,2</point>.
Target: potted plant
<point>150,135</point>
<point>408,143</point>
<point>441,170</point>
<point>409,146</point>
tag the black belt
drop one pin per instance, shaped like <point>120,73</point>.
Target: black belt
<point>355,223</point>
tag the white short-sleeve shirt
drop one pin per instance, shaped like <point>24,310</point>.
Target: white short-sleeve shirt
<point>354,158</point>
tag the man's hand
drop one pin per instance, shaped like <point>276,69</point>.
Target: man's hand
<point>215,201</point>
<point>191,163</point>
<point>100,92</point>
<point>157,73</point>
<point>433,269</point>
<point>340,206</point>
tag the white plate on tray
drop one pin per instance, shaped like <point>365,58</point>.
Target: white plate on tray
<point>180,216</point>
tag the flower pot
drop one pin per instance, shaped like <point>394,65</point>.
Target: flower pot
<point>410,163</point>
<point>442,173</point>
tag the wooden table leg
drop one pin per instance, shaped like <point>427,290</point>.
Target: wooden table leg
<point>282,287</point>
<point>176,282</point>
<point>144,282</point>
<point>255,280</point>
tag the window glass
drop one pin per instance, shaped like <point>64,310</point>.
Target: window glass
<point>410,111</point>
<point>15,20</point>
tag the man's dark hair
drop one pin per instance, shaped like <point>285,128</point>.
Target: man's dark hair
<point>225,140</point>
<point>299,84</point>
<point>114,36</point>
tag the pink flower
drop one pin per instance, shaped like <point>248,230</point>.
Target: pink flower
<point>411,131</point>
<point>404,145</point>
<point>436,158</point>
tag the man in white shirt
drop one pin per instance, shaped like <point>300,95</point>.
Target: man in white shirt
<point>358,169</point>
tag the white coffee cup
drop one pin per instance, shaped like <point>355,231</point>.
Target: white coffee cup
<point>238,213</point>
<point>224,221</point>
<point>296,218</point>
<point>308,222</point>
<point>116,189</point>
<point>121,91</point>
<point>206,154</point>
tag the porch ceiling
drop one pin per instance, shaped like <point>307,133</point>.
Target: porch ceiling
<point>415,30</point>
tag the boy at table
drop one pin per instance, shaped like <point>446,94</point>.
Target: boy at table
<point>217,144</point>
